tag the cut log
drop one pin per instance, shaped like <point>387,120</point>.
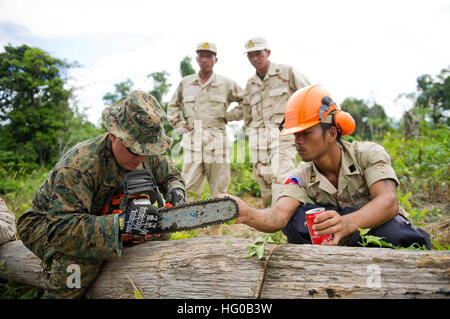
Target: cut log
<point>215,267</point>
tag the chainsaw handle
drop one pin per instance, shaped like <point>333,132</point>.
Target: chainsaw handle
<point>159,198</point>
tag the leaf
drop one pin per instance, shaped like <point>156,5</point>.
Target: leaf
<point>250,254</point>
<point>228,242</point>
<point>193,195</point>
<point>260,251</point>
<point>33,293</point>
<point>415,246</point>
<point>363,231</point>
<point>137,293</point>
<point>370,239</point>
<point>423,213</point>
<point>260,239</point>
<point>2,266</point>
<point>5,272</point>
<point>406,197</point>
<point>437,245</point>
<point>386,244</point>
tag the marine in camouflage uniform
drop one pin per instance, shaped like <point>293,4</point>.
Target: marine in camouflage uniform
<point>263,110</point>
<point>198,109</point>
<point>64,226</point>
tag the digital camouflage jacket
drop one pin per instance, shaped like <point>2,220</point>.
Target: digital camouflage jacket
<point>70,201</point>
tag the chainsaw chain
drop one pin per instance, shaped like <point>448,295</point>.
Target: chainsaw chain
<point>207,201</point>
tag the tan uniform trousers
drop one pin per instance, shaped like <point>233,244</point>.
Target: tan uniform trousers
<point>206,155</point>
<point>217,175</point>
<point>271,168</point>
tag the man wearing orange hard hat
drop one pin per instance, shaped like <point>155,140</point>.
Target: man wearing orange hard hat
<point>354,182</point>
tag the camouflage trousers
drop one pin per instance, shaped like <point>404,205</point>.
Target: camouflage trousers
<point>271,167</point>
<point>60,268</point>
<point>68,277</point>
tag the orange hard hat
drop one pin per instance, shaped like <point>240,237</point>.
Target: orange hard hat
<point>309,106</point>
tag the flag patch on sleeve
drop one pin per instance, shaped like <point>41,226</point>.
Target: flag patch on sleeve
<point>293,180</point>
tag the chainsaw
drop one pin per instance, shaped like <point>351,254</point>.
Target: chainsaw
<point>140,185</point>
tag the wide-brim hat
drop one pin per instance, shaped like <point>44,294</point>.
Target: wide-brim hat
<point>137,121</point>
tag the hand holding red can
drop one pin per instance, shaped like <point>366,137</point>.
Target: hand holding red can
<point>310,216</point>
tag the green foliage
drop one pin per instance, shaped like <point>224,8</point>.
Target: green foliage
<point>413,213</point>
<point>371,121</point>
<point>421,165</point>
<point>242,179</point>
<point>2,270</point>
<point>34,105</point>
<point>375,240</point>
<point>186,67</point>
<point>194,195</point>
<point>183,234</point>
<point>37,125</point>
<point>439,246</point>
<point>258,246</point>
<point>12,162</point>
<point>434,96</point>
<point>370,239</point>
<point>17,188</point>
<point>13,290</point>
<point>9,289</point>
<point>160,86</point>
<point>137,293</point>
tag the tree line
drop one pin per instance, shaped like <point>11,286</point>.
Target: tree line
<point>40,120</point>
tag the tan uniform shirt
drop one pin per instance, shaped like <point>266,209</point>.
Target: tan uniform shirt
<point>207,102</point>
<point>265,100</point>
<point>363,163</point>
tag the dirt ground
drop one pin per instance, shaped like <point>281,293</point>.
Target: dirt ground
<point>439,231</point>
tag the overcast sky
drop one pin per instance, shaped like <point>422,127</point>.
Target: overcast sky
<point>372,50</point>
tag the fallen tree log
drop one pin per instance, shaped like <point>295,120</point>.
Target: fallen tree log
<point>214,267</point>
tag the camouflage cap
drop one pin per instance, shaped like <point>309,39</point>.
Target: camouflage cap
<point>207,46</point>
<point>255,44</point>
<point>137,121</point>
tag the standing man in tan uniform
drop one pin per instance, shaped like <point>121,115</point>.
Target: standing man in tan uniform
<point>266,94</point>
<point>198,110</point>
<point>354,182</point>
<point>7,226</point>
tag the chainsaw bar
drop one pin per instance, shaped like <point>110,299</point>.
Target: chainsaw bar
<point>197,214</point>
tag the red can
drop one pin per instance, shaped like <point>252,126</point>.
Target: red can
<point>310,216</point>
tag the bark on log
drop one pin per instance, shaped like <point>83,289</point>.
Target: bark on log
<point>214,267</point>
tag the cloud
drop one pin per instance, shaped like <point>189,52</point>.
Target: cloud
<point>369,50</point>
<point>14,34</point>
